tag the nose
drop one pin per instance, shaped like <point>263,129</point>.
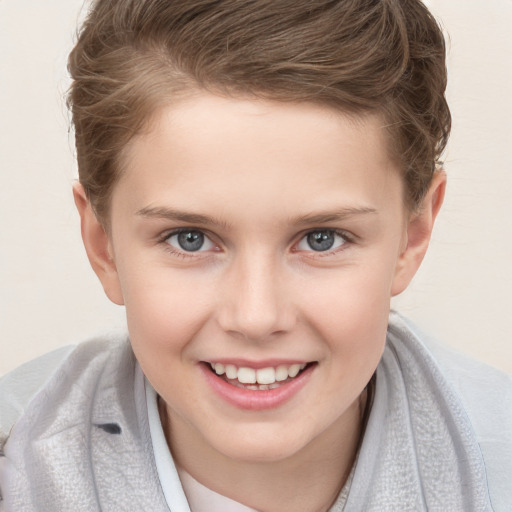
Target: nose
<point>255,303</point>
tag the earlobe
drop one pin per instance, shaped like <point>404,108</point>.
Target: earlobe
<point>98,246</point>
<point>419,231</point>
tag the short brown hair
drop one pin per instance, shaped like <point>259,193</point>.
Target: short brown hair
<point>358,56</point>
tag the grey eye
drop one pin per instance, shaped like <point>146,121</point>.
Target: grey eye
<point>190,241</point>
<point>321,240</point>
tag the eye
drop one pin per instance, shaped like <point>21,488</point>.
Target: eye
<point>321,240</point>
<point>190,240</point>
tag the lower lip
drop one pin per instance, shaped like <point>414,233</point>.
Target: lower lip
<point>256,400</point>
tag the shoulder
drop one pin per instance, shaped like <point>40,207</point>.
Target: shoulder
<point>21,385</point>
<point>486,396</point>
<point>92,408</point>
<point>482,388</point>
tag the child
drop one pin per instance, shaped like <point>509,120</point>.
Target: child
<point>257,180</point>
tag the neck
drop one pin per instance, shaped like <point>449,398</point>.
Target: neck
<point>310,480</point>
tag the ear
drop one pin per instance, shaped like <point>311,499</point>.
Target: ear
<point>98,246</point>
<point>419,230</point>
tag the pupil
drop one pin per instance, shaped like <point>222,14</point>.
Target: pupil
<point>191,240</point>
<point>321,240</point>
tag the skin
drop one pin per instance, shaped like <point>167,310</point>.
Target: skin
<point>262,176</point>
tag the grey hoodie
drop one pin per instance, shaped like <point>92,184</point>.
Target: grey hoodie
<point>439,435</point>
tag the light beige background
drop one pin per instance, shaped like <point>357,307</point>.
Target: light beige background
<point>49,296</point>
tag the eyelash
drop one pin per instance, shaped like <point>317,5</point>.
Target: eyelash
<point>348,239</point>
<point>164,241</point>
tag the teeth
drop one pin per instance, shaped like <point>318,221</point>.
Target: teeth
<point>281,373</point>
<point>267,377</point>
<point>294,370</point>
<point>246,375</point>
<point>231,371</point>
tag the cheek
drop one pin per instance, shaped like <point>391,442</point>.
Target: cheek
<point>350,311</point>
<point>350,293</point>
<point>164,310</point>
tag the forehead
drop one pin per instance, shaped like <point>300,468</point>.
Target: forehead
<point>210,149</point>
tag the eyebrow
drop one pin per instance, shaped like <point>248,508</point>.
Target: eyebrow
<point>334,216</point>
<point>171,214</point>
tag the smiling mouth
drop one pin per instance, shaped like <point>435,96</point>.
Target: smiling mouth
<point>261,379</point>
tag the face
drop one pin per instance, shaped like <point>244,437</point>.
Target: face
<point>256,247</point>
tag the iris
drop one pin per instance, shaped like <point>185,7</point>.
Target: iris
<point>321,240</point>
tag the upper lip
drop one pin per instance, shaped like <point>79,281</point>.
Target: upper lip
<point>267,363</point>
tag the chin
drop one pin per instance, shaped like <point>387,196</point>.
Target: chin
<point>256,445</point>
